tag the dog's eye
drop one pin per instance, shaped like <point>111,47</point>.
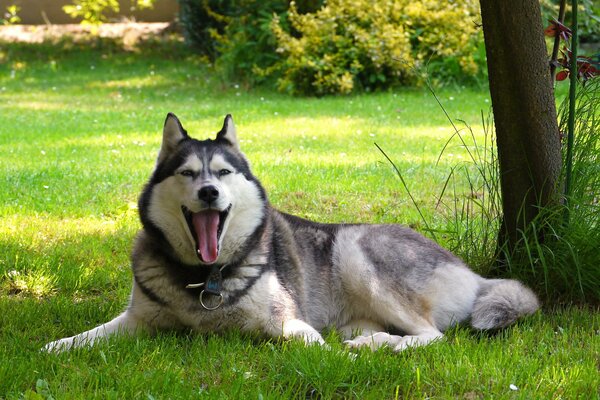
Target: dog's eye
<point>224,172</point>
<point>187,172</point>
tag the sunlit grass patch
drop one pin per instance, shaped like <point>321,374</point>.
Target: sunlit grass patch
<point>34,283</point>
<point>42,254</point>
<point>150,80</point>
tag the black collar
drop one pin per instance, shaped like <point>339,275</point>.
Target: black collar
<point>211,286</point>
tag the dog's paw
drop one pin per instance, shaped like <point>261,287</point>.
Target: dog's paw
<point>299,329</point>
<point>423,339</point>
<point>58,346</point>
<point>373,341</point>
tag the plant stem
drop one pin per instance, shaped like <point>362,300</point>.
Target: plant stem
<point>561,19</point>
<point>571,120</point>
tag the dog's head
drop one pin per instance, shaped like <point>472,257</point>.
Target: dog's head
<point>202,196</point>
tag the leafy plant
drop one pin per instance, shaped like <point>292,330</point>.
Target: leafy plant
<point>587,67</point>
<point>10,16</point>
<point>246,48</point>
<point>93,12</point>
<point>237,35</point>
<point>201,20</point>
<point>363,44</point>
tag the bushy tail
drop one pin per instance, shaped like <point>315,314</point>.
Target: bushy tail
<point>501,302</point>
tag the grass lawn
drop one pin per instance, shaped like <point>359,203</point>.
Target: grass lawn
<point>79,132</point>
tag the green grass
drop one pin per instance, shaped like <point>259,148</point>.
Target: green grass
<point>79,132</point>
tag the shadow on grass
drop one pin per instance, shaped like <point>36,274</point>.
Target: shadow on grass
<point>65,263</point>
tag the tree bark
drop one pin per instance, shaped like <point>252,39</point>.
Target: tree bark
<point>527,134</point>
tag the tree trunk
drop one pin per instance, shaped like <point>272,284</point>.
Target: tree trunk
<point>527,132</point>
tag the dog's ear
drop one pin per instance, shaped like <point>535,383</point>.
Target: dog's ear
<point>228,132</point>
<point>173,133</point>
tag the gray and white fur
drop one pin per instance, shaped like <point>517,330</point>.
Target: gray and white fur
<point>213,254</point>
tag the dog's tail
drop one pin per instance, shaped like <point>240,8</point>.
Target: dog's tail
<point>500,302</point>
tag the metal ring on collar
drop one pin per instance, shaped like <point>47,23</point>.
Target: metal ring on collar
<point>210,308</point>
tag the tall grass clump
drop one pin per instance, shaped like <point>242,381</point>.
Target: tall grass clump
<point>566,264</point>
<point>469,200</point>
<point>558,257</point>
<point>473,216</point>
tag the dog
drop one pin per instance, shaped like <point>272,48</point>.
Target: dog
<point>213,254</point>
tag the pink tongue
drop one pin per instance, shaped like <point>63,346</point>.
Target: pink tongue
<point>206,224</point>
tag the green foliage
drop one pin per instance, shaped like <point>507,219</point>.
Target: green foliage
<point>236,34</point>
<point>589,21</point>
<point>339,46</point>
<point>371,44</point>
<point>588,17</point>
<point>93,12</point>
<point>558,258</point>
<point>201,20</point>
<point>247,46</point>
<point>11,16</point>
<point>473,218</point>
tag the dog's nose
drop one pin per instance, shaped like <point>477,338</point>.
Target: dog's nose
<point>208,194</point>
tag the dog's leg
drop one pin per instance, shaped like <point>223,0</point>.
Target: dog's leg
<point>124,323</point>
<point>405,315</point>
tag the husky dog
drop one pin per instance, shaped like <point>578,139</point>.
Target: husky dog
<point>213,254</point>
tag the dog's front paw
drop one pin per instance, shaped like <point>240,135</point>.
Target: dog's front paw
<point>299,329</point>
<point>58,346</point>
<point>373,341</point>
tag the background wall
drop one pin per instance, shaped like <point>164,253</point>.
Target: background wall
<point>35,12</point>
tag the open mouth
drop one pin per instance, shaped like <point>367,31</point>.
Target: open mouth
<point>206,227</point>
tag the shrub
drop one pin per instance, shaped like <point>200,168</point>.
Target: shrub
<point>93,12</point>
<point>246,48</point>
<point>370,44</point>
<point>201,20</point>
<point>10,16</point>
<point>237,34</point>
<point>445,35</point>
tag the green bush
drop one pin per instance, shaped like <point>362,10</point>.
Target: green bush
<point>237,34</point>
<point>371,44</point>
<point>93,12</point>
<point>337,46</point>
<point>10,17</point>
<point>246,48</point>
<point>201,20</point>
